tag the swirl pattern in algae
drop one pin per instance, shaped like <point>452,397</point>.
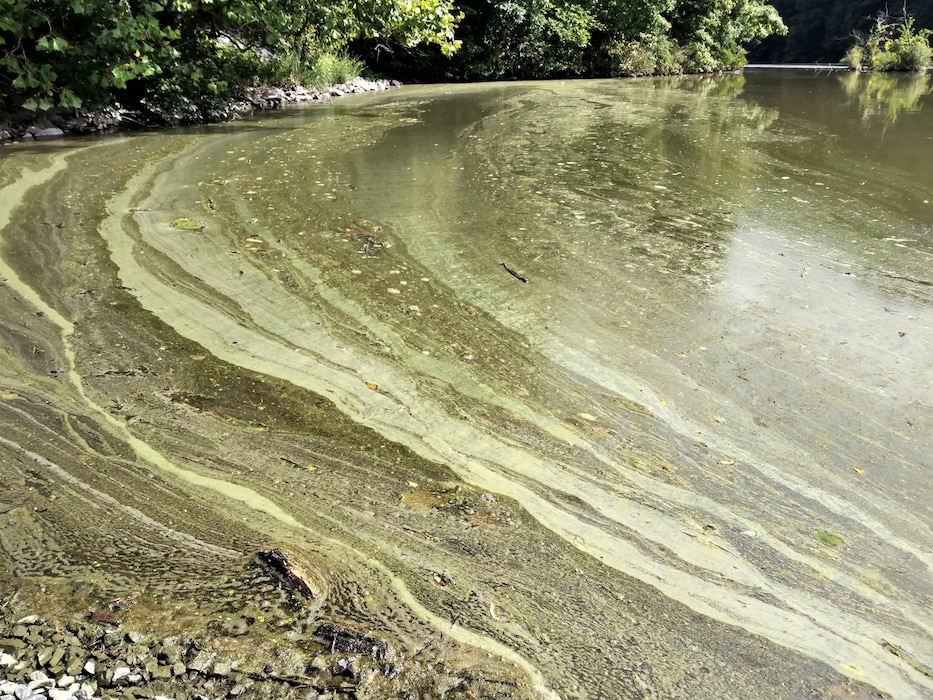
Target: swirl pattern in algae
<point>175,401</point>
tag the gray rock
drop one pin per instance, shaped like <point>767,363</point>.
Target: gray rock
<point>75,665</point>
<point>49,134</point>
<point>162,673</point>
<point>37,679</point>
<point>55,663</point>
<point>12,645</point>
<point>43,656</point>
<point>66,681</point>
<point>202,661</point>
<point>222,668</point>
<point>171,654</point>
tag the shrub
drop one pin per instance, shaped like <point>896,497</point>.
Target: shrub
<point>893,44</point>
<point>854,57</point>
<point>331,69</point>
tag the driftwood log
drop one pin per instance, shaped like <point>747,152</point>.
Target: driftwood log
<point>346,641</point>
<point>276,562</point>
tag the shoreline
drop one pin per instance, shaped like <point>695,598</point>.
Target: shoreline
<point>23,126</point>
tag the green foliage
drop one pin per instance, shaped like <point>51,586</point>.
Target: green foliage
<point>524,39</point>
<point>892,45</point>
<point>552,38</point>
<point>170,52</point>
<point>332,69</point>
<point>69,52</point>
<point>855,57</point>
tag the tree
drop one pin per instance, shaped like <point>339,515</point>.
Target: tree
<point>67,52</point>
<point>553,38</point>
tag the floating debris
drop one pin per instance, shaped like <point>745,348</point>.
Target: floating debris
<point>183,223</point>
<point>828,538</point>
<point>514,273</point>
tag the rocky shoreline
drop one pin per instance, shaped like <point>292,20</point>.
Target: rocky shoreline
<point>45,659</point>
<point>28,126</point>
<point>287,650</point>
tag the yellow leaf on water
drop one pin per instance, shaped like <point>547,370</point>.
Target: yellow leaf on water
<point>859,470</point>
<point>370,385</point>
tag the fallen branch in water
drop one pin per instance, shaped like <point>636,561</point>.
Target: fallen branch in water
<point>514,273</point>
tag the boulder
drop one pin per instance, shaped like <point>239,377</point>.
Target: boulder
<point>48,134</point>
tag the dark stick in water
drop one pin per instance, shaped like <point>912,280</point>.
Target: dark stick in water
<point>514,273</point>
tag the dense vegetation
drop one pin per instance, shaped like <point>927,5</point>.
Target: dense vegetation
<point>550,38</point>
<point>824,30</point>
<point>69,52</point>
<point>73,52</point>
<point>893,44</point>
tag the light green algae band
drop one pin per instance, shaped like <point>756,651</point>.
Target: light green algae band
<point>278,326</point>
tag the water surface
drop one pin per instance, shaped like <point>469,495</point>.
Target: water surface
<point>642,367</point>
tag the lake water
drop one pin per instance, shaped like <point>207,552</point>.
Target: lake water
<point>633,389</point>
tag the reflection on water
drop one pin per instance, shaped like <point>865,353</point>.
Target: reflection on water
<point>886,95</point>
<point>720,362</point>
